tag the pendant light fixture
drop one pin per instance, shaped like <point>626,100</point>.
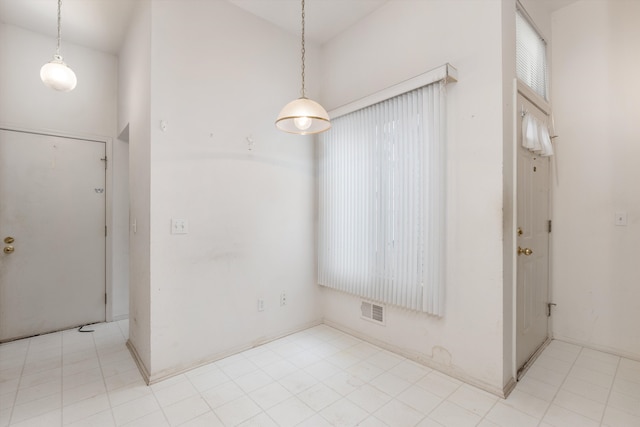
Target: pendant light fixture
<point>56,74</point>
<point>303,116</point>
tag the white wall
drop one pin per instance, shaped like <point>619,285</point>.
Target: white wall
<point>218,76</point>
<point>87,111</point>
<point>396,42</point>
<point>134,97</point>
<point>595,100</point>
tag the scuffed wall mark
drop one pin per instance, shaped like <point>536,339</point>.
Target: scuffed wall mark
<point>441,355</point>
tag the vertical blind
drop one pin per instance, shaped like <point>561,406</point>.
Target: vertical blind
<point>531,56</point>
<point>382,201</point>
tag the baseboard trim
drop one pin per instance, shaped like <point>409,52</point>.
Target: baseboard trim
<point>163,375</point>
<point>425,360</point>
<point>602,348</point>
<point>141,367</point>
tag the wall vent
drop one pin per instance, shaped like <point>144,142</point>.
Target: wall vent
<point>372,312</point>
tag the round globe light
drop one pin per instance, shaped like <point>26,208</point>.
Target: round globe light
<point>57,75</point>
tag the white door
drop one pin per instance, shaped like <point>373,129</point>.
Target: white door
<point>52,226</point>
<point>532,290</point>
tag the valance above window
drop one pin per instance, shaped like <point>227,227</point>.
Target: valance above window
<point>535,136</point>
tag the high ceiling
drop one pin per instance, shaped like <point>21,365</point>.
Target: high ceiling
<point>102,24</point>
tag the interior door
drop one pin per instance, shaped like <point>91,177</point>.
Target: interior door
<point>52,226</point>
<point>532,290</point>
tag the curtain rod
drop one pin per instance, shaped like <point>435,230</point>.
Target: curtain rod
<point>444,72</point>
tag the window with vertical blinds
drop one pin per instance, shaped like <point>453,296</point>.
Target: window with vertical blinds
<point>531,55</point>
<point>382,201</point>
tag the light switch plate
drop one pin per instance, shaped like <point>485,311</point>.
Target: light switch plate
<point>179,226</point>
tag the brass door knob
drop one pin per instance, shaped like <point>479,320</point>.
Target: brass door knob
<point>525,251</point>
<point>8,249</point>
<point>9,240</point>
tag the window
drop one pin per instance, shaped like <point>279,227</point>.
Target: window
<point>381,201</point>
<point>531,55</point>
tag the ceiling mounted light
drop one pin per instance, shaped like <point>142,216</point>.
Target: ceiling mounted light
<point>303,116</point>
<point>56,74</point>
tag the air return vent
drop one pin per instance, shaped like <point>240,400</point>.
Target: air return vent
<point>372,312</point>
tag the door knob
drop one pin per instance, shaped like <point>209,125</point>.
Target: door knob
<point>9,240</point>
<point>8,249</point>
<point>525,251</point>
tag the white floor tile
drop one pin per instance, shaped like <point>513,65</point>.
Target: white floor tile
<point>537,388</point>
<point>364,370</point>
<point>175,392</point>
<point>344,383</point>
<point>322,370</point>
<point>624,402</point>
<point>450,414</point>
<point>208,380</point>
<point>128,393</point>
<point>270,395</point>
<point>222,394</point>
<point>439,384</point>
<point>397,413</point>
<point>154,419</point>
<point>280,369</point>
<point>290,413</point>
<point>135,409</point>
<point>101,419</point>
<point>592,376</point>
<point>317,421</point>
<point>319,396</point>
<point>527,403</point>
<point>260,420</point>
<point>36,407</point>
<point>369,398</point>
<point>558,416</point>
<point>344,413</point>
<point>473,399</point>
<point>26,395</point>
<point>185,410</point>
<point>237,411</point>
<point>586,389</point>
<point>297,381</point>
<point>48,419</point>
<point>84,391</point>
<point>390,384</point>
<point>208,419</point>
<point>576,403</point>
<point>616,418</point>
<point>420,399</point>
<point>410,371</point>
<point>507,416</point>
<point>85,409</point>
<point>315,378</point>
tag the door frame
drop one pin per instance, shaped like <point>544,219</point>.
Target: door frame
<point>522,89</point>
<point>108,179</point>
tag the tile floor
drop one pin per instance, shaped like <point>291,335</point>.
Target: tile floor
<point>318,377</point>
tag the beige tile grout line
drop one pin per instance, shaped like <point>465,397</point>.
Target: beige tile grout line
<point>606,404</point>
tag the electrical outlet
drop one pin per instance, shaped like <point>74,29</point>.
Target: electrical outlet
<point>260,304</point>
<point>621,219</point>
<point>283,298</point>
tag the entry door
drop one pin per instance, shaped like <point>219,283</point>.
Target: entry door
<point>52,227</point>
<point>532,244</point>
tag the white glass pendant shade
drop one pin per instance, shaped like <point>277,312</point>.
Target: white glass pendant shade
<point>303,117</point>
<point>57,75</point>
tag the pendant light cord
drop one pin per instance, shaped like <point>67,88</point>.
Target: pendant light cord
<point>302,92</point>
<point>57,55</point>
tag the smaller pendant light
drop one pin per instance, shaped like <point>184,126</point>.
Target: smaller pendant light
<point>303,116</point>
<point>56,74</point>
